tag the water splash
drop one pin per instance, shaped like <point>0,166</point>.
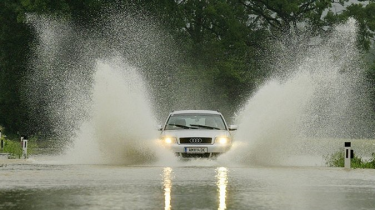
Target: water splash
<point>121,125</point>
<point>96,89</point>
<point>317,99</point>
<point>96,102</point>
<point>59,80</point>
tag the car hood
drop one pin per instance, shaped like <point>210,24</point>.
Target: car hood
<point>195,133</point>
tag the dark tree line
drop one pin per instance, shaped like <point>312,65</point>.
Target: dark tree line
<point>232,40</point>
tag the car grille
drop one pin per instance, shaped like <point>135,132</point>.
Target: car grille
<point>195,140</point>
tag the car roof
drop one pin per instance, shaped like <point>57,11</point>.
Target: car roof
<point>195,112</point>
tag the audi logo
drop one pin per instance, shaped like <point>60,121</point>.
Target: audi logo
<point>195,140</point>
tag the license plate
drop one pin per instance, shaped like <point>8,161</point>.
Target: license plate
<point>196,149</point>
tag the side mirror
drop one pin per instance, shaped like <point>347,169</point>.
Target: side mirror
<point>233,127</point>
<point>160,128</point>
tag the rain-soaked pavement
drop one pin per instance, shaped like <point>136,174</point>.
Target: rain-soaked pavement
<point>31,185</point>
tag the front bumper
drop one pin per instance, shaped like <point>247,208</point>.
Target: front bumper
<point>211,148</point>
<point>208,142</point>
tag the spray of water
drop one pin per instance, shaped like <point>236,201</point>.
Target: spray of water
<point>120,126</point>
<point>317,99</point>
<point>95,98</point>
<point>97,89</point>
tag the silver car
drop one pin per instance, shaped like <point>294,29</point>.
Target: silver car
<point>196,133</point>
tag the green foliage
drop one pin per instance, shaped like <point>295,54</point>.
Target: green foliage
<point>229,42</point>
<point>370,75</point>
<point>14,39</point>
<point>283,17</point>
<point>337,159</point>
<point>14,147</point>
<point>365,15</point>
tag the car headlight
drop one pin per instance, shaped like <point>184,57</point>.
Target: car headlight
<point>168,140</point>
<point>222,140</point>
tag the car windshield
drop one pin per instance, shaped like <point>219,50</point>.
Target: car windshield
<point>195,121</point>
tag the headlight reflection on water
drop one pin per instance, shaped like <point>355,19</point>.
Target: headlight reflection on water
<point>222,181</point>
<point>167,187</point>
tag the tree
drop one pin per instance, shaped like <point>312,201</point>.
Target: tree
<point>296,18</point>
<point>225,48</point>
<point>15,41</point>
<point>14,50</point>
<point>365,16</point>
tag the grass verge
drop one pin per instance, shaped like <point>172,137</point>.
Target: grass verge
<point>337,159</point>
<point>14,148</point>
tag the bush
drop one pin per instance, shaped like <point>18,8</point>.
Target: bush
<point>14,148</point>
<point>337,159</point>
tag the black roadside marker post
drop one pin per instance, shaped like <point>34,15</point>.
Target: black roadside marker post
<point>2,143</point>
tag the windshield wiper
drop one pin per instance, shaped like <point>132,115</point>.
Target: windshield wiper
<point>205,126</point>
<point>181,126</point>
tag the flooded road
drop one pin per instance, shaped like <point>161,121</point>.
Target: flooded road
<point>99,93</point>
<point>31,185</point>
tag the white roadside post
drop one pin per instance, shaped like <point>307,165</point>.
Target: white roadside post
<point>24,147</point>
<point>348,154</point>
